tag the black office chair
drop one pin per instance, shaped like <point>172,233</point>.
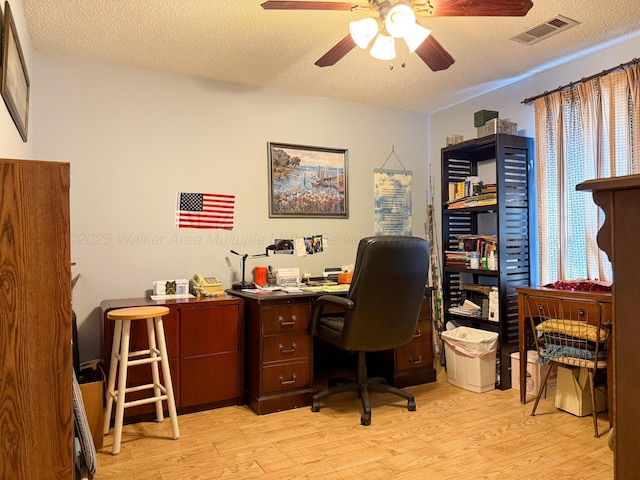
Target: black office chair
<point>380,312</point>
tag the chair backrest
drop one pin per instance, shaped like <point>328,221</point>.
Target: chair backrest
<point>387,287</point>
<point>568,331</point>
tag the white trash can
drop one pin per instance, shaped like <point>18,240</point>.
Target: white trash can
<point>470,356</point>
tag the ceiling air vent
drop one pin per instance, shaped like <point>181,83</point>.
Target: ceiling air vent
<point>544,30</point>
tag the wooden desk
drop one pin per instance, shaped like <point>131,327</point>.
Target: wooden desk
<point>205,343</point>
<point>525,338</point>
<point>280,353</point>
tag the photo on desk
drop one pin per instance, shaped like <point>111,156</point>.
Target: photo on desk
<point>306,182</point>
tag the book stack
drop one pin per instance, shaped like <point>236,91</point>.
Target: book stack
<point>470,186</point>
<point>467,309</point>
<point>480,200</point>
<point>483,244</point>
<point>457,257</point>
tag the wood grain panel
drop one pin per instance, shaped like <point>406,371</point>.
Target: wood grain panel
<point>35,329</point>
<point>210,378</point>
<point>209,330</point>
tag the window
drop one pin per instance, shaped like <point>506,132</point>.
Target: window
<point>583,132</point>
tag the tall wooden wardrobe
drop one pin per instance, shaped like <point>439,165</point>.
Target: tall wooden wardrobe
<point>36,400</point>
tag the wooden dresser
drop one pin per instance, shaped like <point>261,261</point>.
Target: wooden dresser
<point>280,356</point>
<point>411,364</point>
<point>205,343</point>
<point>620,199</point>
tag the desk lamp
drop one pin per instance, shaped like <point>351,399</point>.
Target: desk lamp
<point>245,257</point>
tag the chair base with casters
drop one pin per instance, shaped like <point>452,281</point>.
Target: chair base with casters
<point>571,333</point>
<point>362,386</point>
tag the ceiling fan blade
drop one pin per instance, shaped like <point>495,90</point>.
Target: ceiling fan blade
<point>340,49</point>
<point>434,55</point>
<point>302,5</point>
<point>477,8</point>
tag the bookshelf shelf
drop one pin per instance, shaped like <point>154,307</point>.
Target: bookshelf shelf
<point>507,161</point>
<point>487,273</point>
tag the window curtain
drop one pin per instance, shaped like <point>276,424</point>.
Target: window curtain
<point>587,131</point>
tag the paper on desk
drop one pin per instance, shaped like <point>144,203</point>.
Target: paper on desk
<point>175,296</point>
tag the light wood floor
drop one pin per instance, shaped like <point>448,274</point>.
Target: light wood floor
<point>454,434</point>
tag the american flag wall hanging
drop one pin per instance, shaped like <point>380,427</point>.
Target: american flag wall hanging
<point>205,210</point>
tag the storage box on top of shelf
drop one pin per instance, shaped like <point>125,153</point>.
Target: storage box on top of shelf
<point>573,393</point>
<point>483,116</point>
<point>496,125</point>
<point>535,374</point>
<point>470,356</point>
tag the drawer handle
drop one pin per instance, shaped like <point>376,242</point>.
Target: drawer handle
<point>417,334</point>
<point>287,382</point>
<point>416,361</point>
<point>581,312</point>
<point>290,350</point>
<point>286,324</point>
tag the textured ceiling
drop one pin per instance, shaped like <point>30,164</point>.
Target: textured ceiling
<point>237,41</point>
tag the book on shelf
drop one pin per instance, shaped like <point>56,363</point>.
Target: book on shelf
<point>482,199</point>
<point>468,187</point>
<point>485,245</point>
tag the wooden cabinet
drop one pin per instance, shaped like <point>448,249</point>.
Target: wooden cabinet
<point>507,161</point>
<point>279,361</point>
<point>411,364</point>
<point>280,355</point>
<point>620,199</point>
<point>210,355</point>
<point>36,398</point>
<point>205,343</point>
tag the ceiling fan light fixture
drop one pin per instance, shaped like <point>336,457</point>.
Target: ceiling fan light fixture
<point>363,31</point>
<point>383,48</point>
<point>416,36</point>
<point>400,20</point>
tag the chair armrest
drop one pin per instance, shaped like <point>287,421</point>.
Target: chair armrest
<point>320,303</point>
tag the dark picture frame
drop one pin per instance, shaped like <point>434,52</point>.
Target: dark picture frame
<point>14,79</point>
<point>307,182</point>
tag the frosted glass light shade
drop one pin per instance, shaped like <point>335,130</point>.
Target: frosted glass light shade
<point>363,31</point>
<point>399,20</point>
<point>416,36</point>
<point>383,48</point>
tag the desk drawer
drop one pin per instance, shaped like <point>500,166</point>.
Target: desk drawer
<point>286,347</point>
<point>286,318</point>
<point>290,376</point>
<point>414,356</point>
<point>422,333</point>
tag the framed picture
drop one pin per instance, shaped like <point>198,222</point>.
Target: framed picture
<point>14,80</point>
<point>307,181</point>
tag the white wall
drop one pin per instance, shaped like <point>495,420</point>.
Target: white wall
<point>11,144</point>
<point>135,137</point>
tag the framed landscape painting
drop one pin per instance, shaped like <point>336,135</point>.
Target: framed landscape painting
<point>307,182</point>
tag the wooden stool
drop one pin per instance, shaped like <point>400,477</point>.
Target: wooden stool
<point>120,353</point>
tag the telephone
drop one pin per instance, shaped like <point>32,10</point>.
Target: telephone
<point>207,286</point>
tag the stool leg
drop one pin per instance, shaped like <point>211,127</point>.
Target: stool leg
<point>113,366</point>
<point>171,403</point>
<point>122,386</point>
<point>151,336</point>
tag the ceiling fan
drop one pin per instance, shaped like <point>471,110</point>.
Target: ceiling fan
<point>396,19</point>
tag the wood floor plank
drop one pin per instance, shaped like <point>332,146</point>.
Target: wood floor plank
<point>454,434</point>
